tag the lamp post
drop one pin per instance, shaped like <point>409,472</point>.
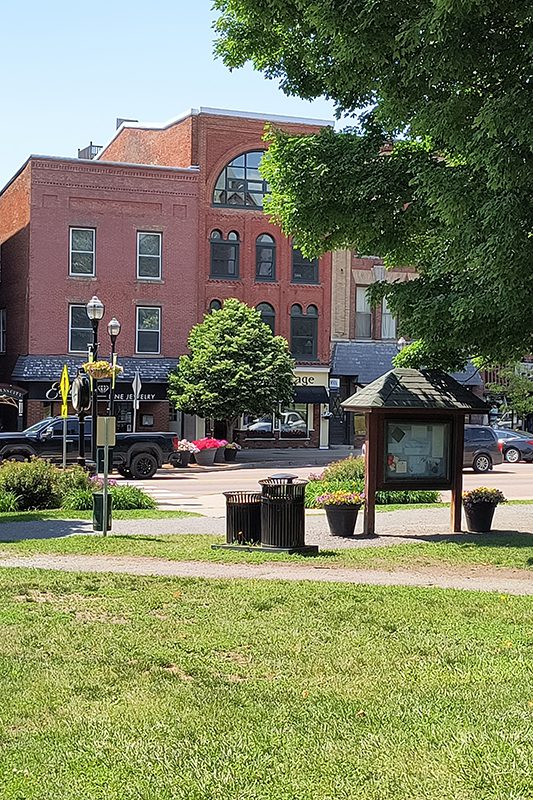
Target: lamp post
<point>113,328</point>
<point>95,312</point>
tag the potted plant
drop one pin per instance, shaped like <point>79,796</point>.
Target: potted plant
<point>230,451</point>
<point>185,450</point>
<point>99,370</point>
<point>207,450</point>
<point>221,446</point>
<point>479,505</point>
<point>341,509</point>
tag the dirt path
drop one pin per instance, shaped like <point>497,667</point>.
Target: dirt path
<point>516,582</point>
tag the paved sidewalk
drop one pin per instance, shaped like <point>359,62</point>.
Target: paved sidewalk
<point>515,582</point>
<point>393,527</point>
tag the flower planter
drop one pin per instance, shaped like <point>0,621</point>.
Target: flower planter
<point>479,516</point>
<point>230,453</point>
<point>342,519</point>
<point>185,457</point>
<point>206,458</point>
<point>219,455</point>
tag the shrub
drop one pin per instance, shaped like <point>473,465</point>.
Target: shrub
<point>127,497</point>
<point>35,483</point>
<point>348,469</point>
<point>72,479</point>
<point>315,488</point>
<point>78,500</point>
<point>8,502</point>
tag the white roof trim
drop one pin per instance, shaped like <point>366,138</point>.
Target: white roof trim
<point>218,112</point>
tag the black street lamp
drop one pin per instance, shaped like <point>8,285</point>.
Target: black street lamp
<point>95,312</point>
<point>113,328</point>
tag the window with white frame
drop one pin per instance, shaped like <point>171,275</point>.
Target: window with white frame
<point>2,330</point>
<point>149,255</point>
<point>363,314</point>
<point>148,330</point>
<point>82,251</point>
<point>80,329</point>
<point>388,322</point>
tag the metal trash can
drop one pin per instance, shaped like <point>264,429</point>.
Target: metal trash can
<point>243,517</point>
<point>98,511</point>
<point>283,512</point>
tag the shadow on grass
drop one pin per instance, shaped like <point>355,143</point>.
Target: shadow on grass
<point>492,539</point>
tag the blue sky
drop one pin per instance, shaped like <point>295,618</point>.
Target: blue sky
<point>69,69</point>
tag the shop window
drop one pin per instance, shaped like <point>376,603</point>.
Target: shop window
<point>304,270</point>
<point>293,421</point>
<point>268,315</point>
<point>224,255</point>
<point>148,330</point>
<point>363,314</point>
<point>265,258</point>
<point>80,329</point>
<point>2,330</point>
<point>304,333</point>
<point>215,305</point>
<point>388,322</point>
<point>240,184</point>
<point>82,251</point>
<point>258,427</point>
<point>149,255</point>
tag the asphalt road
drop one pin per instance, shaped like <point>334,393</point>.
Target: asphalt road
<point>184,488</point>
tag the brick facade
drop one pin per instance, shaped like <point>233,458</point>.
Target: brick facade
<point>149,179</point>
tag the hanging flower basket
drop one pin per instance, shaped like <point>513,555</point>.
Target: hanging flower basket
<point>99,370</point>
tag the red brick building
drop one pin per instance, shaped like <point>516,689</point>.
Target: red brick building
<point>162,226</point>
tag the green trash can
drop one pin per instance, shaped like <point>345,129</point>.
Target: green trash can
<point>98,512</point>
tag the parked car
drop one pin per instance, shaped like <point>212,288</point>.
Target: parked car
<point>481,448</point>
<point>517,445</point>
<point>135,455</point>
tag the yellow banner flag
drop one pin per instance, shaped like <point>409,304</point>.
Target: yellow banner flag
<point>64,385</point>
<point>64,410</point>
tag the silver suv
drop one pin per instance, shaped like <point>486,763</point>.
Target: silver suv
<point>482,449</point>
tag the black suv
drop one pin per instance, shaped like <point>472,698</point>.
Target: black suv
<point>482,449</point>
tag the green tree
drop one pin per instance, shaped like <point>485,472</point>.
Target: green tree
<point>437,170</point>
<point>235,365</point>
<point>516,388</point>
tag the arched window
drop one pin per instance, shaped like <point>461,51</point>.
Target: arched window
<point>265,258</point>
<point>240,184</point>
<point>268,315</point>
<point>304,333</point>
<point>224,255</point>
<point>215,305</point>
<point>304,270</point>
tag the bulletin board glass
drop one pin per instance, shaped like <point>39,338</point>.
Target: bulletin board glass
<point>416,451</point>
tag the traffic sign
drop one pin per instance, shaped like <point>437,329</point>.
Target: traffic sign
<point>136,386</point>
<point>64,384</point>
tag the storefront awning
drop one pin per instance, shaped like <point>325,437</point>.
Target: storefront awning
<point>311,394</point>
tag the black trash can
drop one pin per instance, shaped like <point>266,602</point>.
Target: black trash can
<point>283,512</point>
<point>98,512</point>
<point>243,517</point>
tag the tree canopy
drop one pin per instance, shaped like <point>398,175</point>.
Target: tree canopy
<point>235,365</point>
<point>436,170</point>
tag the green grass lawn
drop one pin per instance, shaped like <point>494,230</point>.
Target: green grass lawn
<point>121,688</point>
<point>494,550</point>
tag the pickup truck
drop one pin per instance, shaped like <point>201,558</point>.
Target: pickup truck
<point>135,455</point>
